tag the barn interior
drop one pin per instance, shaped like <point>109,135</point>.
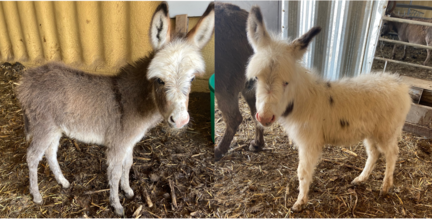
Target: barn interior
<point>265,184</point>
<point>172,173</point>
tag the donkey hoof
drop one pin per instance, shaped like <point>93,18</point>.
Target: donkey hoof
<point>218,155</point>
<point>357,181</point>
<point>119,211</point>
<point>37,199</point>
<point>297,207</point>
<point>65,184</point>
<point>254,147</point>
<point>129,194</point>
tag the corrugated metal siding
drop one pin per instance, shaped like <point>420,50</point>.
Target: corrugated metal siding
<point>98,37</point>
<point>348,38</point>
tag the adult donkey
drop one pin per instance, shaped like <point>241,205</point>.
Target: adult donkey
<point>232,52</point>
<point>115,111</point>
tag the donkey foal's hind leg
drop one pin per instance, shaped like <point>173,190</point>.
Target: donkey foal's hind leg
<point>124,183</point>
<point>51,156</point>
<point>373,154</point>
<point>391,151</point>
<point>35,151</point>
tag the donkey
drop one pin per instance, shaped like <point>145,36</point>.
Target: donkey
<point>314,112</point>
<point>115,111</point>
<point>231,54</point>
<point>409,33</point>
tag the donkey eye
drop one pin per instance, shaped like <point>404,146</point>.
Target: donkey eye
<point>285,83</point>
<point>193,79</point>
<point>256,78</point>
<point>160,81</point>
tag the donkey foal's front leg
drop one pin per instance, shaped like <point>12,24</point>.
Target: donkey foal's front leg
<point>115,160</point>
<point>308,158</point>
<point>127,163</point>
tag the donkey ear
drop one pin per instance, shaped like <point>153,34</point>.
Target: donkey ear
<point>256,30</point>
<point>203,30</point>
<point>160,29</point>
<point>301,44</point>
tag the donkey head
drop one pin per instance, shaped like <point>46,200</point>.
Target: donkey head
<point>275,66</point>
<point>176,62</point>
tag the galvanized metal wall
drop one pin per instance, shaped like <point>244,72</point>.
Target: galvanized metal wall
<point>98,37</point>
<point>350,31</point>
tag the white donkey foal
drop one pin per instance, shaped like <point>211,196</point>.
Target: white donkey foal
<point>371,107</point>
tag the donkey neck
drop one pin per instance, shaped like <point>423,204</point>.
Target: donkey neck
<point>135,90</point>
<point>307,90</point>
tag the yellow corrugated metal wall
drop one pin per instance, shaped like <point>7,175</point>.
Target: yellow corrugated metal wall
<point>98,37</point>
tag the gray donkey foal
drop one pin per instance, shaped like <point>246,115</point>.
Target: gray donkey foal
<point>115,111</point>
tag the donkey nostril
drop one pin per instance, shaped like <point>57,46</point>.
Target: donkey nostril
<point>172,119</point>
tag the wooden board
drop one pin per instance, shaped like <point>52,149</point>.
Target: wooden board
<point>182,23</point>
<point>417,82</point>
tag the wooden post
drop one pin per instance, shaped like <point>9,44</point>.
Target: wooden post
<point>182,23</point>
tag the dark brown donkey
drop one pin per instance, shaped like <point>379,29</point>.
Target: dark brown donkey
<point>411,33</point>
<point>232,52</point>
<point>115,111</point>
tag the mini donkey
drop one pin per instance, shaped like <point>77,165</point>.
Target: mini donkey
<point>231,54</point>
<point>115,111</point>
<point>409,33</point>
<point>313,112</point>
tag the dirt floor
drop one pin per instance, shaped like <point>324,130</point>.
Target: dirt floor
<point>186,159</point>
<point>414,55</point>
<point>265,184</point>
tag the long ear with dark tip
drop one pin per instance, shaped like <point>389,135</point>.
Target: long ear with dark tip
<point>301,44</point>
<point>160,28</point>
<point>256,31</point>
<point>203,30</point>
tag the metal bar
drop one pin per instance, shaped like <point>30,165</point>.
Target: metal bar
<point>413,6</point>
<point>403,63</point>
<point>405,43</point>
<point>406,21</point>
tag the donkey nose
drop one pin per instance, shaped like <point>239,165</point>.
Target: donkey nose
<point>265,121</point>
<point>180,122</point>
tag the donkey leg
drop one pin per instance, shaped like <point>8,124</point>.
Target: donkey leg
<point>51,156</point>
<point>427,57</point>
<point>373,155</point>
<point>115,161</point>
<point>404,53</point>
<point>124,182</point>
<point>391,151</point>
<point>258,143</point>
<point>40,142</point>
<point>308,159</point>
<point>394,51</point>
<point>230,111</point>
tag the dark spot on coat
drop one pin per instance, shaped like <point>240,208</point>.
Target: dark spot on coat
<point>118,98</point>
<point>344,123</point>
<point>289,109</point>
<point>331,101</point>
<point>328,85</point>
<point>44,40</point>
<point>88,21</point>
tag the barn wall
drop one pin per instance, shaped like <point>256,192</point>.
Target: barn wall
<point>347,42</point>
<point>98,37</point>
